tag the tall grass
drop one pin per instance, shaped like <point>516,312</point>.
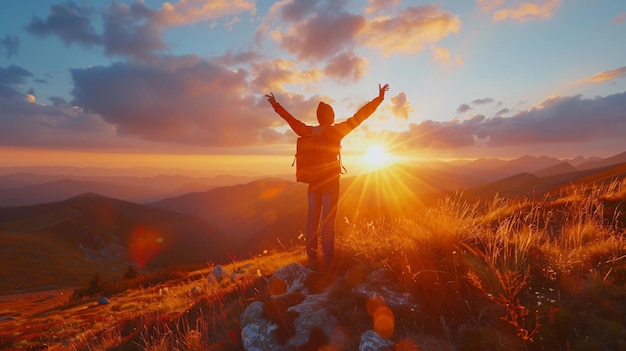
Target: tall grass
<point>524,263</point>
<point>506,274</point>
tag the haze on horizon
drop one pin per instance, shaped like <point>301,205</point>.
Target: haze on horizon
<point>181,83</point>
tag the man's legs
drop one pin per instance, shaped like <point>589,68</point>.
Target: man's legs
<point>313,220</point>
<point>330,200</point>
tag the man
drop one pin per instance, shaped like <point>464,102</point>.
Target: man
<point>323,193</point>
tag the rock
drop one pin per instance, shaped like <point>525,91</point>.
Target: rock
<point>371,341</point>
<point>294,275</point>
<point>257,332</point>
<point>314,317</point>
<point>103,301</point>
<point>289,319</point>
<point>381,276</point>
<point>376,286</point>
<point>219,274</point>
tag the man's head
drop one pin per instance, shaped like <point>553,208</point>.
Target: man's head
<point>325,114</point>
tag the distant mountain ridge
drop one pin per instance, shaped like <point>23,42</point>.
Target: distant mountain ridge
<point>23,189</point>
<point>22,186</point>
<point>561,168</point>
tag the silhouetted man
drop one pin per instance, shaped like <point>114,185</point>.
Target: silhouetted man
<point>323,193</point>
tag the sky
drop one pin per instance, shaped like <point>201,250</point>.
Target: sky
<point>183,83</point>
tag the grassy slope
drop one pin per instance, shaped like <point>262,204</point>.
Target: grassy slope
<point>508,275</point>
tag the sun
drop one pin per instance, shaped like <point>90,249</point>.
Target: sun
<point>376,156</point>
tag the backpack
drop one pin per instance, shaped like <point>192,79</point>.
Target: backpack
<point>316,159</point>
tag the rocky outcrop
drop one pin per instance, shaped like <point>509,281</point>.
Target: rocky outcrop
<point>298,313</point>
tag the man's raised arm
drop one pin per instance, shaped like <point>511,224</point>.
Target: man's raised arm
<point>364,112</point>
<point>298,127</point>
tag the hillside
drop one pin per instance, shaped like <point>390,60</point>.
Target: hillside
<point>65,243</point>
<point>65,188</point>
<point>94,233</point>
<point>535,187</point>
<point>532,275</point>
<point>273,210</point>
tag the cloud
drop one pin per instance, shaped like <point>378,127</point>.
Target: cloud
<point>192,11</point>
<point>444,55</point>
<point>484,101</point>
<point>378,6</point>
<point>489,5</point>
<point>9,44</point>
<point>133,30</point>
<point>322,35</point>
<point>231,59</point>
<point>602,77</point>
<point>347,67</point>
<point>410,30</point>
<point>400,106</point>
<point>466,107</point>
<point>503,111</point>
<point>272,75</point>
<point>184,100</point>
<point>619,18</point>
<point>23,122</point>
<point>69,21</point>
<point>554,120</point>
<point>10,78</point>
<point>318,31</point>
<point>523,12</point>
<point>463,108</point>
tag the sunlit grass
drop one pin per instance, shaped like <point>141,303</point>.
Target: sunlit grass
<point>502,274</point>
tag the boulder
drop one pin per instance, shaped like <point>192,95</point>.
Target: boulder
<point>314,318</point>
<point>291,318</point>
<point>294,275</point>
<point>377,285</point>
<point>257,332</point>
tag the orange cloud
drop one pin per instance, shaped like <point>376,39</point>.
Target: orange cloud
<point>602,77</point>
<point>528,11</point>
<point>489,5</point>
<point>400,106</point>
<point>444,55</point>
<point>410,30</point>
<point>376,6</point>
<point>190,11</point>
<point>347,67</point>
<point>272,75</point>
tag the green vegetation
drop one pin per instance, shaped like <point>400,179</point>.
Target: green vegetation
<point>501,274</point>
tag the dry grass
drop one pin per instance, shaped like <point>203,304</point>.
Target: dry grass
<point>505,275</point>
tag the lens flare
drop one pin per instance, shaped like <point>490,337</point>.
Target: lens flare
<point>382,316</point>
<point>145,244</point>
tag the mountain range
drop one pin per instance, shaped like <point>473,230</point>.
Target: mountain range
<point>66,241</point>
